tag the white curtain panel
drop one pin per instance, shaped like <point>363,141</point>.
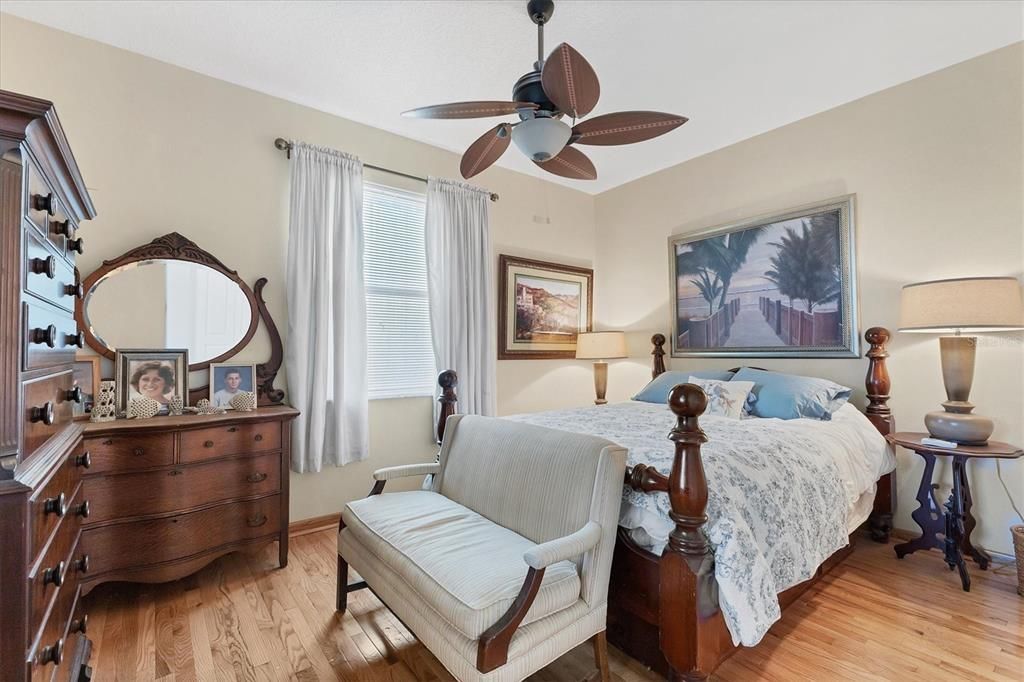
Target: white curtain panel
<point>325,355</point>
<point>460,285</point>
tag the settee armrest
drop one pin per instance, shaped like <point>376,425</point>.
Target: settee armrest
<point>389,473</point>
<point>566,547</point>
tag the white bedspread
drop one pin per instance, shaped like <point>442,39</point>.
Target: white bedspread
<point>780,494</point>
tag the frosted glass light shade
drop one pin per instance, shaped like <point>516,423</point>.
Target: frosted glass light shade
<point>600,345</point>
<point>541,138</point>
<point>967,304</point>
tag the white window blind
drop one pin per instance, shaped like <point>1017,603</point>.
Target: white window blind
<point>400,356</point>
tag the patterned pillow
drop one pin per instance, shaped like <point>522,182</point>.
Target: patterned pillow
<point>725,398</point>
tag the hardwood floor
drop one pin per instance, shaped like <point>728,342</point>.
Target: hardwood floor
<point>873,618</point>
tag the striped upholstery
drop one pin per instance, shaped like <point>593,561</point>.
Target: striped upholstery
<point>463,566</point>
<point>450,561</point>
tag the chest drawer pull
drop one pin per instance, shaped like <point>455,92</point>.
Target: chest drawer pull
<point>54,575</point>
<point>84,460</point>
<point>51,654</point>
<point>64,227</point>
<point>207,443</point>
<point>73,394</point>
<point>139,452</point>
<point>44,266</point>
<point>43,202</point>
<point>256,477</point>
<point>47,335</point>
<point>76,290</point>
<point>56,505</point>
<point>43,414</point>
<point>80,624</point>
<point>175,472</point>
<point>232,429</point>
<point>77,339</point>
<point>83,510</point>
<point>259,437</point>
<point>82,564</point>
<point>76,245</point>
<point>256,520</point>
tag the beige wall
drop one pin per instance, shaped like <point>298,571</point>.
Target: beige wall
<point>164,149</point>
<point>936,164</point>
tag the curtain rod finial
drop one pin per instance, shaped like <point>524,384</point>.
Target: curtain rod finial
<point>284,145</point>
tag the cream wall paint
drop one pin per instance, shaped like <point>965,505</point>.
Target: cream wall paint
<point>165,149</point>
<point>936,164</point>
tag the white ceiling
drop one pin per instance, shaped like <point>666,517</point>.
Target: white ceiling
<point>736,69</point>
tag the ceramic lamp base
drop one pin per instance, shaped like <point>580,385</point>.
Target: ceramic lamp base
<point>963,428</point>
<point>600,381</point>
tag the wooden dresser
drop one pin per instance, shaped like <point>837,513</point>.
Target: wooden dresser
<point>42,202</point>
<point>169,495</point>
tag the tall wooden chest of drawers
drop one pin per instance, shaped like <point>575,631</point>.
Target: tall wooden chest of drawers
<point>169,495</point>
<point>43,200</point>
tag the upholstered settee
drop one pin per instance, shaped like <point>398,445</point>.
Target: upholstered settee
<point>502,565</point>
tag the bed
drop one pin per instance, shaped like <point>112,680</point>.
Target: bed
<point>695,574</point>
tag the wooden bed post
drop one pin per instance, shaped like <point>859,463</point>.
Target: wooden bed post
<point>878,384</point>
<point>689,598</point>
<point>659,355</point>
<point>447,380</point>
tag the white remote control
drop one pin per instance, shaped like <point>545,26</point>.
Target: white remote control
<point>938,443</point>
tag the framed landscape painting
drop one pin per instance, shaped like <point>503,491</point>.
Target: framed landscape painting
<point>542,307</point>
<point>775,286</point>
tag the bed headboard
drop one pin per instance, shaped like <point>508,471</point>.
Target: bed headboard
<point>876,381</point>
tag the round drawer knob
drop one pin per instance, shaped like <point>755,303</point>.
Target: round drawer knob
<point>76,290</point>
<point>55,575</point>
<point>52,654</point>
<point>76,245</point>
<point>138,452</point>
<point>77,339</point>
<point>43,413</point>
<point>82,564</point>
<point>44,266</point>
<point>80,624</point>
<point>64,227</point>
<point>74,394</point>
<point>56,505</point>
<point>259,437</point>
<point>208,444</point>
<point>44,335</point>
<point>43,202</point>
<point>84,460</point>
<point>83,510</point>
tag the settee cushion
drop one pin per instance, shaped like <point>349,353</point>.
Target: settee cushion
<point>466,568</point>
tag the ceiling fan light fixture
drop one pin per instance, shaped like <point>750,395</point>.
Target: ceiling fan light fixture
<point>541,138</point>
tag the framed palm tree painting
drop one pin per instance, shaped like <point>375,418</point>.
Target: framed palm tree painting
<point>773,286</point>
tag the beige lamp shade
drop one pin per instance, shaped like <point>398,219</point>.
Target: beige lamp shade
<point>968,304</point>
<point>600,345</point>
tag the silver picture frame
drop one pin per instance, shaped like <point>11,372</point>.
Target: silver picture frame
<point>730,327</point>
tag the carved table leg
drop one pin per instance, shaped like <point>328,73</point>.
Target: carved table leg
<point>927,515</point>
<point>980,556</point>
<point>954,529</point>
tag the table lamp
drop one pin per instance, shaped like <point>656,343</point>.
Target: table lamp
<point>952,307</point>
<point>600,346</point>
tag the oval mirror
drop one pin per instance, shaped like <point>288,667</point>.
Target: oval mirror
<point>166,303</point>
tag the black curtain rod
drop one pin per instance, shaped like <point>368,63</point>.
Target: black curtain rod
<point>286,146</point>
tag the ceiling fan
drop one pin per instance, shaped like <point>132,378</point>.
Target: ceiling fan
<point>562,85</point>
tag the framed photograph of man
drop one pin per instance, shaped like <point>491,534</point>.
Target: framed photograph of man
<point>87,380</point>
<point>228,379</point>
<point>160,374</point>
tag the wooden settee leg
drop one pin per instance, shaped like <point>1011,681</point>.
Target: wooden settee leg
<point>341,602</point>
<point>600,642</point>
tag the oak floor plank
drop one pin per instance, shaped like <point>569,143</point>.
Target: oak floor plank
<point>242,618</point>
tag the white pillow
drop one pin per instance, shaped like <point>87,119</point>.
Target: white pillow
<point>725,398</point>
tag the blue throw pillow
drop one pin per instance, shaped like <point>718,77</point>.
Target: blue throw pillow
<point>657,390</point>
<point>789,396</point>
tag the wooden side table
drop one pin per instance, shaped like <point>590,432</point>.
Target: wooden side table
<point>953,520</point>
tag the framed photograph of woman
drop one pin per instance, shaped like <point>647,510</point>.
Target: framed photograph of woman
<point>158,374</point>
<point>87,380</point>
<point>228,379</point>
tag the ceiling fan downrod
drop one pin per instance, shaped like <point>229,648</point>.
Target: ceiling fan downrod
<point>540,12</point>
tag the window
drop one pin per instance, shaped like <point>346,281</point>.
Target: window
<point>400,356</point>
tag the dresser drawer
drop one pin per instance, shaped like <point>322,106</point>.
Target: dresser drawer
<point>50,338</point>
<point>57,634</point>
<point>52,502</point>
<point>47,275</point>
<point>236,439</point>
<point>46,408</point>
<point>40,201</point>
<point>129,452</point>
<point>120,546</point>
<point>54,570</point>
<point>183,487</point>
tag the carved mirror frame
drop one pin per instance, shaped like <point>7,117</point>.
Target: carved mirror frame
<point>174,246</point>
